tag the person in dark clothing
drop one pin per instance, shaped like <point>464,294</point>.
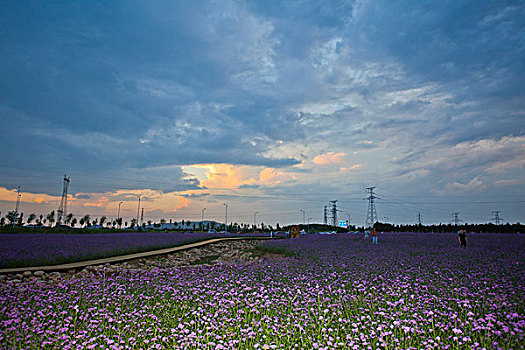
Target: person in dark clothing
<point>462,238</point>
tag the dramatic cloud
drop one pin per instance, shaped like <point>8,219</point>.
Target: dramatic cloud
<point>299,101</point>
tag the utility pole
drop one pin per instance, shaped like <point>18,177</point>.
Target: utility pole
<point>138,211</point>
<point>497,219</point>
<point>226,218</point>
<point>142,217</point>
<point>62,209</point>
<point>302,211</point>
<point>118,216</point>
<point>325,216</point>
<point>202,217</point>
<point>334,212</point>
<point>18,195</point>
<point>456,218</point>
<point>371,216</point>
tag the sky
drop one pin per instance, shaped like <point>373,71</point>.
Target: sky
<point>270,107</point>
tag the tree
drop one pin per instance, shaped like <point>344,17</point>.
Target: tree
<point>102,220</point>
<point>2,221</point>
<point>86,219</point>
<point>149,222</point>
<point>31,217</point>
<point>20,219</point>
<point>68,218</point>
<point>51,218</point>
<point>41,220</point>
<point>162,221</point>
<point>10,216</point>
<point>119,222</point>
<point>82,221</point>
<point>133,222</point>
<point>74,222</point>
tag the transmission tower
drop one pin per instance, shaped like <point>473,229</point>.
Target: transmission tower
<point>497,219</point>
<point>334,211</point>
<point>325,216</point>
<point>419,219</point>
<point>18,195</point>
<point>456,218</point>
<point>371,216</point>
<point>62,209</point>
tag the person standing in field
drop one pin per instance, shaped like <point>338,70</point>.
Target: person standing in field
<point>462,238</point>
<point>374,236</point>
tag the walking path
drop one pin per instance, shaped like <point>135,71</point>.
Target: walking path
<point>115,259</point>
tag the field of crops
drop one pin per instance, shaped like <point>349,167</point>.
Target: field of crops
<point>17,250</point>
<point>407,292</point>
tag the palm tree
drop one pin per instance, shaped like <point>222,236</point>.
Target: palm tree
<point>86,219</point>
<point>68,218</point>
<point>31,217</point>
<point>102,220</point>
<point>51,218</point>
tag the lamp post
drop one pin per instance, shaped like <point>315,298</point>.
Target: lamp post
<point>308,229</point>
<point>302,211</point>
<point>202,219</point>
<point>138,212</point>
<point>118,215</point>
<point>255,219</point>
<point>226,219</point>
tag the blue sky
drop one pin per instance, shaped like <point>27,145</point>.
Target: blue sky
<point>268,106</point>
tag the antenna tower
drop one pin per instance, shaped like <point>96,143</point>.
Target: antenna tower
<point>18,195</point>
<point>62,209</point>
<point>497,219</point>
<point>371,216</point>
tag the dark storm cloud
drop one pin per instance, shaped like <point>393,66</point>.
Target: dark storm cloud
<point>125,93</point>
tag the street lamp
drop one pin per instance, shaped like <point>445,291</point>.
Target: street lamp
<point>118,215</point>
<point>226,219</point>
<point>308,229</point>
<point>202,219</point>
<point>302,211</point>
<point>255,219</point>
<point>138,211</point>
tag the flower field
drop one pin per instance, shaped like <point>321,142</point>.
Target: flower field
<point>51,249</point>
<point>407,292</point>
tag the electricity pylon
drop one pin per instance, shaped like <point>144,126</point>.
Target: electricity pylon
<point>62,209</point>
<point>371,216</point>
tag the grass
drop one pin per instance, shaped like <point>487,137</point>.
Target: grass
<point>205,260</point>
<point>262,250</point>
